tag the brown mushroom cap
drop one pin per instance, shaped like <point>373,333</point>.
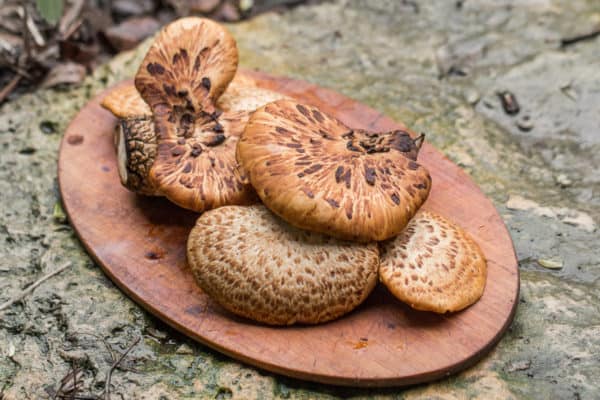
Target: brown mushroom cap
<point>186,70</point>
<point>318,174</point>
<point>190,159</point>
<point>136,140</point>
<point>433,265</point>
<point>259,267</point>
<point>125,102</point>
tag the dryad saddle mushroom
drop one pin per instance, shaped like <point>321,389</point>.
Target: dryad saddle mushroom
<point>181,142</point>
<point>259,267</point>
<point>433,265</point>
<point>135,137</point>
<point>320,175</point>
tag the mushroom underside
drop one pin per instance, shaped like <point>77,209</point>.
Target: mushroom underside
<point>259,267</point>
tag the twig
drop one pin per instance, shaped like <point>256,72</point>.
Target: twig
<point>72,29</point>
<point>579,38</point>
<point>115,365</point>
<point>65,390</point>
<point>35,32</point>
<point>108,348</point>
<point>31,288</point>
<point>26,38</point>
<point>69,17</point>
<point>6,90</point>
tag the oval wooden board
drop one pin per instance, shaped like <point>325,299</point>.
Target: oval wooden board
<point>140,244</point>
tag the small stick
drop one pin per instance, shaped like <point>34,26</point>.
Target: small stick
<point>115,365</point>
<point>33,286</point>
<point>6,90</point>
<point>579,38</point>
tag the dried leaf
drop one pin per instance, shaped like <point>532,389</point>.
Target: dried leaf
<point>64,73</point>
<point>550,264</point>
<point>228,13</point>
<point>127,8</point>
<point>130,32</point>
<point>70,17</point>
<point>203,6</point>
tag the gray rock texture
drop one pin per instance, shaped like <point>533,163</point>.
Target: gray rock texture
<point>436,65</point>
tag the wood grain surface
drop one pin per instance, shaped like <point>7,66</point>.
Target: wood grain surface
<point>140,244</point>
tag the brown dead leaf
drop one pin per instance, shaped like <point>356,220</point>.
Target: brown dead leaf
<point>130,32</point>
<point>64,73</point>
<point>128,8</point>
<point>11,47</point>
<point>203,6</point>
<point>228,13</point>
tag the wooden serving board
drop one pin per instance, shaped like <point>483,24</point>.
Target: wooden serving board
<point>140,243</point>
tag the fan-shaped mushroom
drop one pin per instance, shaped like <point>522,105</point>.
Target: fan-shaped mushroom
<point>320,175</point>
<point>433,265</point>
<point>180,140</point>
<point>257,266</point>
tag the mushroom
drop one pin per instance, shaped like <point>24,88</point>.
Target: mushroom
<point>177,137</point>
<point>318,174</point>
<point>257,266</point>
<point>433,265</point>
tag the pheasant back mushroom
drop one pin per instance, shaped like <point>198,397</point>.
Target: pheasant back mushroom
<point>177,138</point>
<point>433,265</point>
<point>259,267</point>
<point>320,175</point>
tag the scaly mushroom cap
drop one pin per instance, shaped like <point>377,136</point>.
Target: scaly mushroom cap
<point>433,265</point>
<point>200,172</point>
<point>318,174</point>
<point>193,164</point>
<point>125,102</point>
<point>187,68</point>
<point>259,267</point>
<point>136,143</point>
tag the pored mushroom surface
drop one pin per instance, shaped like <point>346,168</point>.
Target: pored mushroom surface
<point>257,266</point>
<point>320,175</point>
<point>433,265</point>
<point>190,159</point>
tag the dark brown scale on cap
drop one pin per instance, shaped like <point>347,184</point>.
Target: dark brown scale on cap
<point>216,140</point>
<point>218,128</point>
<point>155,69</point>
<point>370,175</point>
<point>383,165</point>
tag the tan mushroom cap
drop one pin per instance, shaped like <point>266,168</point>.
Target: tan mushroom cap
<point>186,69</point>
<point>125,102</point>
<point>259,267</point>
<point>190,157</point>
<point>433,265</point>
<point>136,142</point>
<point>320,175</point>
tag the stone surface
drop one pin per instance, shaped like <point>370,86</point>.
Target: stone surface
<point>438,66</point>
